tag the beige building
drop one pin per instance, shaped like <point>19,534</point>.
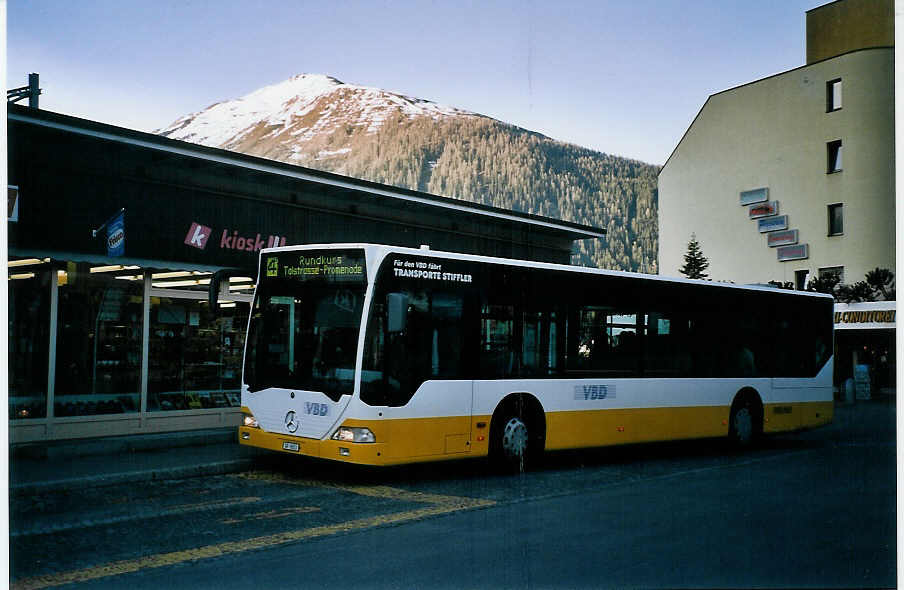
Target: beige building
<point>792,176</point>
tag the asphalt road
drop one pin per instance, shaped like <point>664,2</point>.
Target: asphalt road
<point>810,510</point>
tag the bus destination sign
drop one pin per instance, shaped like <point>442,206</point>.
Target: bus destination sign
<point>331,266</point>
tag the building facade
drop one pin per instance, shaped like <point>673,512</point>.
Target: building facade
<point>793,177</point>
<point>114,332</point>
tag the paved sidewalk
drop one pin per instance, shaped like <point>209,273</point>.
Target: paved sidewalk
<point>81,464</point>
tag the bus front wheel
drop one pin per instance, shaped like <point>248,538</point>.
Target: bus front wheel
<point>516,436</point>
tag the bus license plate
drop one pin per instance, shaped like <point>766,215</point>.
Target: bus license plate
<point>290,446</point>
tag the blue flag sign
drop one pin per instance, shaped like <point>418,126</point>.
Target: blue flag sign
<point>116,235</point>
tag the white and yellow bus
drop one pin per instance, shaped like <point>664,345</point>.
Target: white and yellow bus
<point>383,355</point>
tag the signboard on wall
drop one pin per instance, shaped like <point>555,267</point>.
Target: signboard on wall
<point>772,223</point>
<point>798,252</point>
<point>782,238</point>
<point>767,209</point>
<point>865,316</point>
<point>757,195</point>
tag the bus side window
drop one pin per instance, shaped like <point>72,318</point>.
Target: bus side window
<point>446,347</point>
<point>497,341</point>
<point>539,343</point>
<point>667,350</point>
<point>607,341</point>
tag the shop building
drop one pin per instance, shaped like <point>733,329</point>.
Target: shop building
<point>107,341</point>
<point>792,177</point>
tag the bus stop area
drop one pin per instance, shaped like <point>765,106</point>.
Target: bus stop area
<point>73,465</point>
<point>70,465</point>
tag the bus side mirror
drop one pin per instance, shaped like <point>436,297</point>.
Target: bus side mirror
<point>219,286</point>
<point>397,312</point>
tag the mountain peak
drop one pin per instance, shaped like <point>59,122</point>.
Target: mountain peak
<point>302,107</point>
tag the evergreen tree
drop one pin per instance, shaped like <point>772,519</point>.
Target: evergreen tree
<point>882,281</point>
<point>695,263</point>
<point>824,284</point>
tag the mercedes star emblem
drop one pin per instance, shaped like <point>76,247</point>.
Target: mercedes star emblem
<point>291,422</point>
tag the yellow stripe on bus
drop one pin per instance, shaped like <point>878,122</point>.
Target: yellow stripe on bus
<point>441,438</point>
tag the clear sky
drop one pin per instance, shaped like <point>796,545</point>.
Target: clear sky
<point>625,77</point>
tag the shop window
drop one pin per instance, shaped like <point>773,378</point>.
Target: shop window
<point>833,95</point>
<point>99,335</point>
<point>29,339</point>
<point>836,219</point>
<point>834,152</point>
<point>195,357</point>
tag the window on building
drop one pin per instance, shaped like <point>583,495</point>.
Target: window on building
<point>836,219</point>
<point>833,95</point>
<point>28,288</point>
<point>195,356</point>
<point>800,279</point>
<point>832,270</point>
<point>99,341</point>
<point>833,150</point>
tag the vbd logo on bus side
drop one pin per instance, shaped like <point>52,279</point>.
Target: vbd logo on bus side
<point>593,392</point>
<point>315,409</point>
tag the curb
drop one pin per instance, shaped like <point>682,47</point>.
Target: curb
<point>96,481</point>
<point>68,449</point>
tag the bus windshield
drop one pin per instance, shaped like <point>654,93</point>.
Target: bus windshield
<point>304,336</point>
<point>304,326</point>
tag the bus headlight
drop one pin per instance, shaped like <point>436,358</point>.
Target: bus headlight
<point>354,434</point>
<point>250,421</point>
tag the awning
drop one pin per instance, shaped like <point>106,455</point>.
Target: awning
<point>102,259</point>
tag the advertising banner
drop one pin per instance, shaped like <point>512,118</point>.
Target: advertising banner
<point>116,235</point>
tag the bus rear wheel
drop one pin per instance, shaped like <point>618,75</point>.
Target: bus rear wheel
<point>745,423</point>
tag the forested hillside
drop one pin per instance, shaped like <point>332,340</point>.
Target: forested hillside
<point>368,133</point>
<point>486,161</point>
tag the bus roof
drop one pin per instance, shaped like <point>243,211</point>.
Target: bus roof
<point>385,249</point>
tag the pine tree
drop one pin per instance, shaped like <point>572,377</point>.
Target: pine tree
<point>882,281</point>
<point>695,263</point>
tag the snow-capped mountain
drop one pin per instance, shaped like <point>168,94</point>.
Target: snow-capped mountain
<point>319,122</point>
<point>277,121</point>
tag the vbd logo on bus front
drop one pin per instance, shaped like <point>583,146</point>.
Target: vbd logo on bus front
<point>315,409</point>
<point>593,392</point>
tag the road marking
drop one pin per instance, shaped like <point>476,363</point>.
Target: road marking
<point>271,514</point>
<point>168,511</point>
<point>211,505</point>
<point>436,505</point>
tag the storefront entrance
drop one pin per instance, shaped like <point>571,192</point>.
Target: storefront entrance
<point>865,349</point>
